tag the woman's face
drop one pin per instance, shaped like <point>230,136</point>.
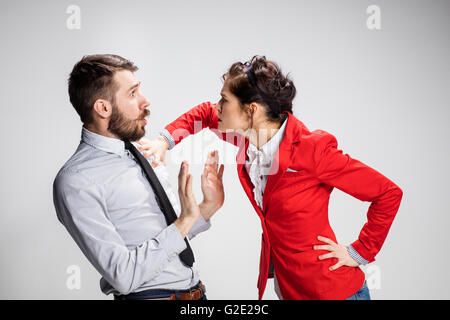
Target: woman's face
<point>231,116</point>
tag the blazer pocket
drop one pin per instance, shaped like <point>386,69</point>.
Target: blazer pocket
<point>291,173</point>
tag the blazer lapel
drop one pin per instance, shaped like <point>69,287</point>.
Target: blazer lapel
<point>281,162</point>
<point>244,177</point>
<point>282,158</point>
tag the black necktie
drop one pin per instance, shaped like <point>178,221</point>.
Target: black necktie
<point>187,256</point>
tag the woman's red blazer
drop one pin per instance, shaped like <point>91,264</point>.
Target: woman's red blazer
<point>295,206</point>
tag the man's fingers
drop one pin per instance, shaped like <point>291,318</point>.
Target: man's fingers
<point>211,178</point>
<point>222,167</point>
<point>212,160</point>
<point>203,179</point>
<point>182,178</point>
<point>207,168</point>
<point>189,186</point>
<point>215,160</point>
<point>209,159</point>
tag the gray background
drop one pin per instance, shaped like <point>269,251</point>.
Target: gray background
<point>383,93</point>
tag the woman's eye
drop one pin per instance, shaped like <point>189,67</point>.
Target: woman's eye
<point>132,93</point>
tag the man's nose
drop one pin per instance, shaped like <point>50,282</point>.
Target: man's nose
<point>145,103</point>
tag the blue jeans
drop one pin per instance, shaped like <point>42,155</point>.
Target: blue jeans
<point>157,294</point>
<point>362,294</point>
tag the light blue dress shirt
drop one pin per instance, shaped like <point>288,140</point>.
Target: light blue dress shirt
<point>106,203</point>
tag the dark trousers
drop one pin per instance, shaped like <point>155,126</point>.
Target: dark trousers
<point>157,294</point>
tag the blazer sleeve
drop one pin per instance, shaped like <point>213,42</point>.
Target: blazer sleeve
<point>339,170</point>
<point>195,120</point>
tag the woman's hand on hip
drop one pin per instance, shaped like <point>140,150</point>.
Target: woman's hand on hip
<point>337,251</point>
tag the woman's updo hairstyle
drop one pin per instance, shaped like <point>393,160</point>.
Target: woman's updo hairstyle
<point>260,80</point>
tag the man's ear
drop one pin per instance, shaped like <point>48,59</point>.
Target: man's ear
<point>103,108</point>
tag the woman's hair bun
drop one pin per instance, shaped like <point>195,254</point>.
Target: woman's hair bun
<point>275,86</point>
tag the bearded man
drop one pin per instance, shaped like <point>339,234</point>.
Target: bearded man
<point>120,211</point>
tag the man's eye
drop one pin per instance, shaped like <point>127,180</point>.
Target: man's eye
<point>132,93</point>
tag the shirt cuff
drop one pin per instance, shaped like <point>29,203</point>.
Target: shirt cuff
<point>173,241</point>
<point>166,135</point>
<point>355,255</point>
<point>200,226</point>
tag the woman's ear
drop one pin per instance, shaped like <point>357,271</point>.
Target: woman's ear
<point>252,108</point>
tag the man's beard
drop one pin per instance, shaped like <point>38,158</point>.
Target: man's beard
<point>126,129</point>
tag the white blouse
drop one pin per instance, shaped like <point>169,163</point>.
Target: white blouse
<point>260,162</point>
<point>258,167</point>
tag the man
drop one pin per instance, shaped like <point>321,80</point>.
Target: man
<point>121,215</point>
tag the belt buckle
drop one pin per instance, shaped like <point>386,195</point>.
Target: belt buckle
<point>191,293</point>
<point>195,294</point>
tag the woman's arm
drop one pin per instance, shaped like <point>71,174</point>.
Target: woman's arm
<point>339,170</point>
<point>195,120</point>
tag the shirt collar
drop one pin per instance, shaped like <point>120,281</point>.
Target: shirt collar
<point>270,147</point>
<point>107,144</point>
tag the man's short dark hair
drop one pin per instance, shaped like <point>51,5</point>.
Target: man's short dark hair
<point>92,79</point>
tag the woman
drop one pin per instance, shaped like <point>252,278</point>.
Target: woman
<point>288,173</point>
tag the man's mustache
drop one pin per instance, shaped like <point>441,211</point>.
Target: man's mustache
<point>146,114</point>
